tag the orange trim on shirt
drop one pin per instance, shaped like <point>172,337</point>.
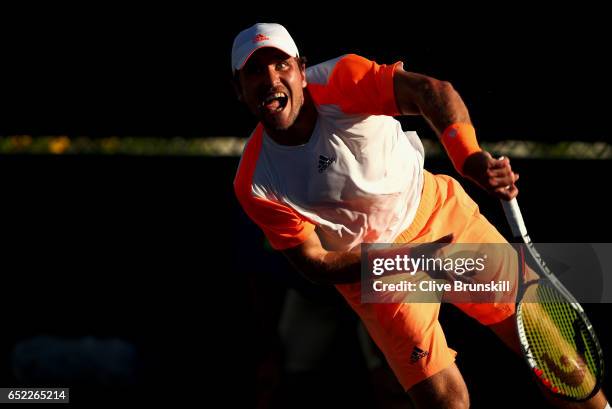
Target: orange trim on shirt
<point>282,225</point>
<point>359,86</point>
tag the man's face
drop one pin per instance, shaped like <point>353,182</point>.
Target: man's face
<point>272,86</point>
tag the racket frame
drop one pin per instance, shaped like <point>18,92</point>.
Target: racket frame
<point>519,231</point>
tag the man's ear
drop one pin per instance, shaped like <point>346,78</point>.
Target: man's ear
<point>303,73</point>
<point>237,87</point>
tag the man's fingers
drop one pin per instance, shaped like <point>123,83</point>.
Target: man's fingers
<point>507,192</point>
<point>500,163</point>
<point>501,175</point>
<point>499,172</point>
<point>502,181</point>
<point>508,183</point>
<point>512,192</point>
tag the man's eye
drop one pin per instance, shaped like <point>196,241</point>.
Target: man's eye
<point>282,65</point>
<point>252,69</point>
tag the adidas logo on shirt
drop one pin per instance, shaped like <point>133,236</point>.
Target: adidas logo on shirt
<point>325,162</point>
<point>417,353</point>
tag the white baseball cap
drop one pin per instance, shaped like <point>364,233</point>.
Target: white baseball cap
<point>259,36</point>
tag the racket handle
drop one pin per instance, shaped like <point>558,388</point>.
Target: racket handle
<point>515,218</point>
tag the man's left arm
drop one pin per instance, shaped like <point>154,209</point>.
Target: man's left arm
<point>442,107</point>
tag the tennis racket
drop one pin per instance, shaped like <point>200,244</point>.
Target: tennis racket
<point>556,337</point>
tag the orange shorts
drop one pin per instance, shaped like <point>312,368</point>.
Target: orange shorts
<point>409,334</point>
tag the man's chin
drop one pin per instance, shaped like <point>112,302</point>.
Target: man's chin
<point>276,125</point>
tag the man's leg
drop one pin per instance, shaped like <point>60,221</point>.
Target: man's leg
<point>413,342</point>
<point>444,390</point>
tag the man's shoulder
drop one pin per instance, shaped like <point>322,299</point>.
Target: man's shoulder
<point>321,73</point>
<point>355,84</point>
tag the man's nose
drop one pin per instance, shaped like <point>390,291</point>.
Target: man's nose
<point>271,75</point>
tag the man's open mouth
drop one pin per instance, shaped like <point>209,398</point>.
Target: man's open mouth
<point>275,102</point>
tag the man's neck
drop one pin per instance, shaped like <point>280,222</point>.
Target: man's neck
<point>300,132</point>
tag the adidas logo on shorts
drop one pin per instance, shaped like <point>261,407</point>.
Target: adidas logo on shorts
<point>417,353</point>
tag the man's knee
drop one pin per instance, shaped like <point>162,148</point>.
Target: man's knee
<point>444,390</point>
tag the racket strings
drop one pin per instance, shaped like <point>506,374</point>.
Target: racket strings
<point>549,326</point>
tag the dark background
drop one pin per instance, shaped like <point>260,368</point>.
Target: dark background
<point>138,247</point>
<point>524,73</point>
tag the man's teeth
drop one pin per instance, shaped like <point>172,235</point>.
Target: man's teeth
<point>272,97</point>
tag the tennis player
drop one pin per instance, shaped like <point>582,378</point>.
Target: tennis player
<point>328,168</point>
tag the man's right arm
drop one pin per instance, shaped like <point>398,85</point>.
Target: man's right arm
<point>344,267</point>
<point>324,267</point>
